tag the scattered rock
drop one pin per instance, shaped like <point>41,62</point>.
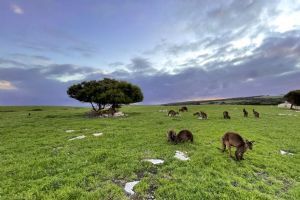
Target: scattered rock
<point>119,114</point>
<point>155,161</point>
<point>70,131</point>
<point>163,111</point>
<point>97,134</point>
<point>202,118</point>
<point>78,137</point>
<point>181,156</point>
<point>129,187</point>
<point>282,152</point>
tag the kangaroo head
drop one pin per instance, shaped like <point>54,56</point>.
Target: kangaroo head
<point>172,135</point>
<point>249,144</point>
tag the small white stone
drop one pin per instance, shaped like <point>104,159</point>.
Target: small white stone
<point>119,114</point>
<point>70,131</point>
<point>155,161</point>
<point>163,111</point>
<point>78,137</point>
<point>282,152</point>
<point>97,134</point>
<point>129,187</point>
<point>181,156</point>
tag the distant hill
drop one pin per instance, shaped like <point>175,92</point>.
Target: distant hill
<point>254,100</point>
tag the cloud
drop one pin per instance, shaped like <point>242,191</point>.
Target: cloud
<point>272,68</point>
<point>17,9</point>
<point>141,65</point>
<point>6,85</point>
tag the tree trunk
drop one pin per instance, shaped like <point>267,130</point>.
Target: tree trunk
<point>93,106</point>
<point>291,106</point>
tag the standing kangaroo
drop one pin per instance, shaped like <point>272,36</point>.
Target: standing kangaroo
<point>245,112</point>
<point>226,115</point>
<point>234,139</point>
<point>256,114</point>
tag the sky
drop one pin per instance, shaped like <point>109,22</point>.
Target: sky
<point>174,50</point>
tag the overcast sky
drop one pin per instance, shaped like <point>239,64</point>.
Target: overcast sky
<point>174,50</point>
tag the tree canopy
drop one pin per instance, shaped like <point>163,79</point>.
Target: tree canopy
<point>106,92</point>
<point>293,97</point>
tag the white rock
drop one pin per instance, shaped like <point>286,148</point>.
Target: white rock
<point>155,161</point>
<point>70,131</point>
<point>163,111</point>
<point>129,187</point>
<point>119,114</point>
<point>78,137</point>
<point>97,134</point>
<point>181,156</point>
<point>282,152</point>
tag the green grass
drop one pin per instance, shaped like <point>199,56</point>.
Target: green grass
<point>38,162</point>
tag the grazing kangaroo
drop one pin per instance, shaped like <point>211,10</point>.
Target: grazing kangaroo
<point>182,136</point>
<point>203,115</point>
<point>234,139</point>
<point>183,109</point>
<point>171,136</point>
<point>226,115</point>
<point>256,114</point>
<point>172,113</point>
<point>245,112</point>
<point>197,114</point>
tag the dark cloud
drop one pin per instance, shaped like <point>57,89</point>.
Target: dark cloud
<point>141,66</point>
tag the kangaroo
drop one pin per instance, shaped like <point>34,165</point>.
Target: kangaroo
<point>182,136</point>
<point>226,115</point>
<point>245,112</point>
<point>234,139</point>
<point>183,109</point>
<point>255,113</point>
<point>172,113</point>
<point>203,115</point>
<point>171,136</point>
<point>197,114</point>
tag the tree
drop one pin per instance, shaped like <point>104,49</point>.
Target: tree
<point>293,97</point>
<point>106,92</point>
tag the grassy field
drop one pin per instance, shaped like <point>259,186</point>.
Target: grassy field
<point>38,161</point>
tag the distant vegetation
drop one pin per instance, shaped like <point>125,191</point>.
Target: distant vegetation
<point>106,92</point>
<point>293,97</point>
<point>254,100</point>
